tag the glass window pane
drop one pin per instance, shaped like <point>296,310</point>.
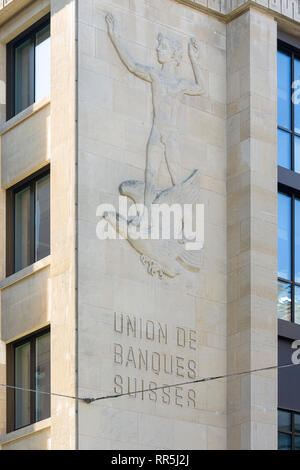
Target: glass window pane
<point>43,376</point>
<point>297,240</point>
<point>296,95</point>
<point>284,441</point>
<point>297,154</point>
<point>284,236</point>
<point>284,149</point>
<point>42,63</point>
<point>24,75</point>
<point>297,422</point>
<point>284,90</point>
<point>284,420</point>
<point>22,380</point>
<point>297,305</point>
<point>284,301</point>
<point>297,442</point>
<point>42,218</point>
<point>22,229</point>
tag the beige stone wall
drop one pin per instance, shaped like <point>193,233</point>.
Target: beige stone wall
<point>37,441</point>
<point>252,230</point>
<point>227,312</point>
<point>62,271</point>
<point>115,116</point>
<point>21,160</point>
<point>36,437</point>
<point>44,292</point>
<point>24,149</point>
<point>287,8</point>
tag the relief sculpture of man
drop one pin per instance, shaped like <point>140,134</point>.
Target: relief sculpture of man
<point>167,91</point>
<point>166,257</point>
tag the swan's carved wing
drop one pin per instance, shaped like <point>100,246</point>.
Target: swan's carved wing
<point>191,259</point>
<point>186,192</point>
<point>135,190</point>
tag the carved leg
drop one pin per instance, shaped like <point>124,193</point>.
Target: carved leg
<point>172,154</point>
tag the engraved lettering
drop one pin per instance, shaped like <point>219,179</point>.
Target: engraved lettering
<point>150,330</point>
<point>118,354</point>
<point>192,339</point>
<point>180,337</point>
<point>155,363</point>
<point>178,396</point>
<point>191,398</point>
<point>118,325</point>
<point>191,369</point>
<point>179,366</point>
<point>118,382</point>
<point>152,393</point>
<point>130,358</point>
<point>131,326</point>
<point>143,359</point>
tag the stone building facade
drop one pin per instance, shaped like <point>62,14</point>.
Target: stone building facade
<point>115,328</point>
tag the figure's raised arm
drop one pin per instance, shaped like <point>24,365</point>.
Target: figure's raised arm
<point>142,71</point>
<point>197,87</point>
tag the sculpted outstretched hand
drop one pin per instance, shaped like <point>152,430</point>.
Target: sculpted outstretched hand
<point>111,24</point>
<point>193,48</point>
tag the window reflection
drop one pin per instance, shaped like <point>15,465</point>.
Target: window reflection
<point>32,372</point>
<point>284,421</point>
<point>29,67</point>
<point>284,441</point>
<point>284,236</point>
<point>22,229</point>
<point>24,75</point>
<point>22,380</point>
<point>284,149</point>
<point>284,301</point>
<point>42,218</point>
<point>288,430</point>
<point>297,154</point>
<point>296,91</point>
<point>42,376</point>
<point>284,90</point>
<point>42,63</point>
<point>297,240</point>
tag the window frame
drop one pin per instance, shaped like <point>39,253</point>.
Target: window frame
<point>291,433</point>
<point>294,53</point>
<point>10,217</point>
<point>11,392</point>
<point>289,180</point>
<point>29,33</point>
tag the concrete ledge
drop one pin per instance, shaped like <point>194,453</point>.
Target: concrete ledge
<point>9,8</point>
<point>24,432</point>
<point>26,272</point>
<point>227,10</point>
<point>23,115</point>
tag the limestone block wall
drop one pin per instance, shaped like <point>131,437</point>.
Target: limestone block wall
<point>63,234</point>
<point>124,313</point>
<point>252,230</point>
<point>45,292</point>
<point>288,8</point>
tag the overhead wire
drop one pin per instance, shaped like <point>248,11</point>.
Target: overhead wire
<point>151,389</point>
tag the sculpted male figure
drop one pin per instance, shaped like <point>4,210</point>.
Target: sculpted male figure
<point>167,91</point>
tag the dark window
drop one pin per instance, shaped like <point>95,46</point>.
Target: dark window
<point>28,362</point>
<point>288,82</point>
<point>288,430</point>
<point>28,224</point>
<point>28,67</point>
